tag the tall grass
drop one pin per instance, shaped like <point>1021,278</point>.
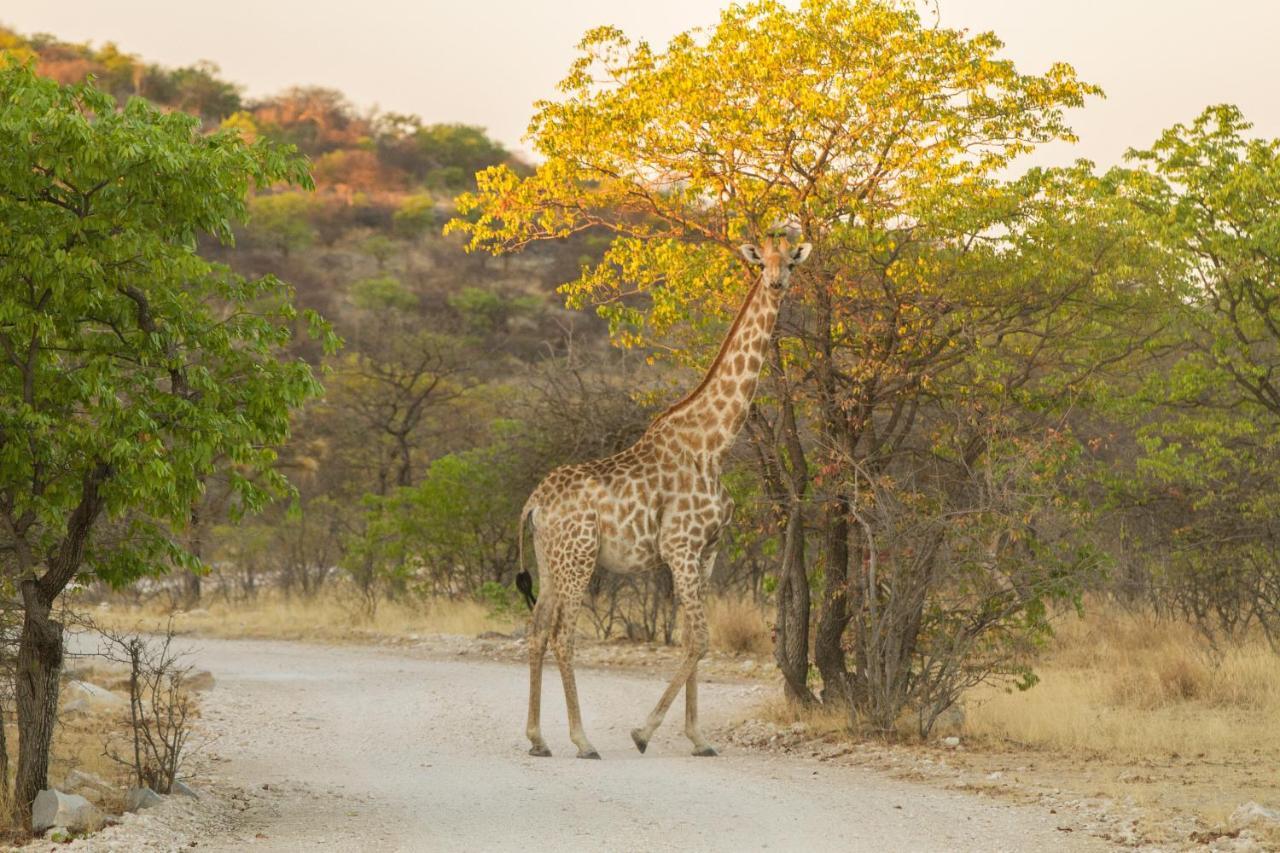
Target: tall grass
<point>738,626</point>
<point>1128,685</point>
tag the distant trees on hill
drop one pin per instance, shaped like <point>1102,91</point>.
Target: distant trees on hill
<point>354,151</point>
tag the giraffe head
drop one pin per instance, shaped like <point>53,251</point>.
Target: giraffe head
<point>777,257</point>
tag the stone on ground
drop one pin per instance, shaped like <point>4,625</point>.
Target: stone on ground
<point>82,697</point>
<point>141,798</point>
<point>88,785</point>
<point>182,790</point>
<point>53,808</point>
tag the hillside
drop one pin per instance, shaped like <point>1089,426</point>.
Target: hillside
<point>448,357</point>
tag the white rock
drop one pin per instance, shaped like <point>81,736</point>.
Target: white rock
<point>68,811</point>
<point>1252,813</point>
<point>951,742</point>
<point>141,798</point>
<point>88,785</point>
<point>182,790</point>
<point>83,697</point>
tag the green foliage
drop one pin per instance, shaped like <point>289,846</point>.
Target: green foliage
<point>501,599</point>
<point>1208,419</point>
<point>415,216</point>
<point>132,368</point>
<point>384,293</point>
<point>452,531</point>
<point>453,153</point>
<point>484,312</point>
<point>279,220</point>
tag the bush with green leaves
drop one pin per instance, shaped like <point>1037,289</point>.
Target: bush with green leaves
<point>451,532</point>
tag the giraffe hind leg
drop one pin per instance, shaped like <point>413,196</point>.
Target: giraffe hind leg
<point>562,640</point>
<point>539,634</point>
<point>540,625</point>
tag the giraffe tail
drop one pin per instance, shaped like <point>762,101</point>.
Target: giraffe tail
<point>524,580</point>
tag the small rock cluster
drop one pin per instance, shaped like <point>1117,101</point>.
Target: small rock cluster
<point>77,810</point>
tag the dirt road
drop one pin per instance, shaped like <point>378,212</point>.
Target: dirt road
<point>373,749</point>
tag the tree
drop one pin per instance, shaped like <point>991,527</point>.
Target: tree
<point>132,367</point>
<point>282,221</point>
<point>451,532</point>
<point>884,141</point>
<point>1209,421</point>
<point>415,216</point>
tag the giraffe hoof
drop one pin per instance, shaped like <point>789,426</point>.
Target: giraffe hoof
<point>706,752</point>
<point>641,742</point>
<point>540,751</point>
<point>589,754</point>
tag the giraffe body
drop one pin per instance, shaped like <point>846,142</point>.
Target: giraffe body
<point>658,502</point>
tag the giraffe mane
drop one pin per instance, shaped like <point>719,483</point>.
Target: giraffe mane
<point>724,345</point>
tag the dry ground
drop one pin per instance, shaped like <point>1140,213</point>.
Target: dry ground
<point>373,748</point>
<point>1133,718</point>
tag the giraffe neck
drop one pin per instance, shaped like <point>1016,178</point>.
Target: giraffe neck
<point>711,416</point>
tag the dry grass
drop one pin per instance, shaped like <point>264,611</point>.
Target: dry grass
<point>79,743</point>
<point>332,618</point>
<point>1125,685</point>
<point>738,625</point>
<point>1139,711</point>
<point>820,720</point>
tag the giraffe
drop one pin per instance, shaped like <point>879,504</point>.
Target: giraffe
<point>659,501</point>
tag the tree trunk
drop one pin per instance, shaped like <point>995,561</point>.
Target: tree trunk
<point>39,663</point>
<point>828,645</point>
<point>195,545</point>
<point>4,755</point>
<point>792,647</point>
<point>36,693</point>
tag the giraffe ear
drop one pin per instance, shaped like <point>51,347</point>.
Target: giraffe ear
<point>752,254</point>
<point>800,253</point>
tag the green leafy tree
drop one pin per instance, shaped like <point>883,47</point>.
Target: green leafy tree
<point>130,367</point>
<point>1209,420</point>
<point>450,533</point>
<point>282,221</point>
<point>415,216</point>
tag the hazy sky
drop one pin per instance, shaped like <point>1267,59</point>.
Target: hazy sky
<point>484,62</point>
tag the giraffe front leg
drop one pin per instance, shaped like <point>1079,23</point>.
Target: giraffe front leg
<point>685,573</point>
<point>691,729</point>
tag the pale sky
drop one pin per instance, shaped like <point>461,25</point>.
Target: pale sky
<point>486,61</point>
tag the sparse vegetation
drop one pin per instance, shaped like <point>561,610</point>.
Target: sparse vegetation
<point>162,710</point>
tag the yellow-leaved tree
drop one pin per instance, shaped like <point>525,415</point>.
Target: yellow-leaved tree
<point>904,374</point>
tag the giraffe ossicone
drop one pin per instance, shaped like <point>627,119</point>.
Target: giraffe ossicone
<point>658,502</point>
